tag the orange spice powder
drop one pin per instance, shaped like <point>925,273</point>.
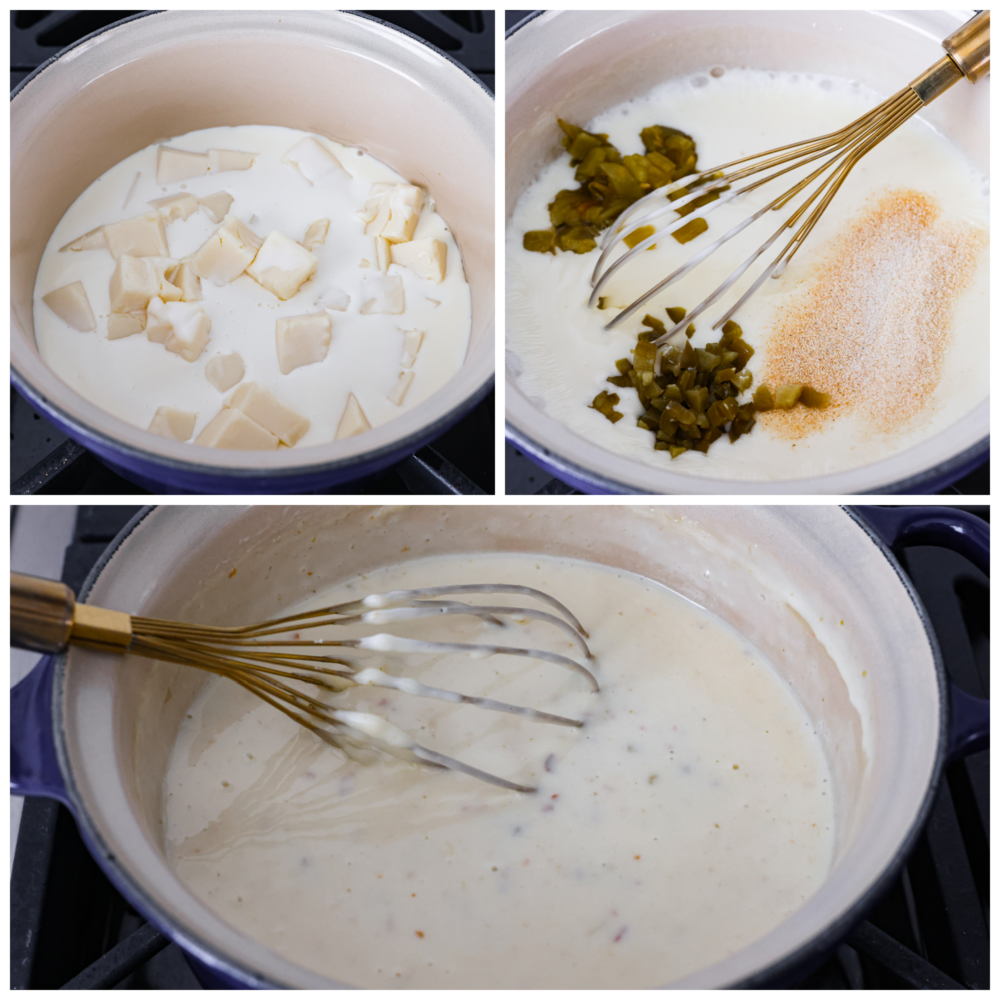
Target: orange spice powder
<point>873,328</point>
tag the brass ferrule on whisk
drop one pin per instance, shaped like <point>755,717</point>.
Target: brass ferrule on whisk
<point>970,47</point>
<point>45,617</point>
<point>968,55</point>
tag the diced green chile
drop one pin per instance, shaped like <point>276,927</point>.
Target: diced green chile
<point>609,183</point>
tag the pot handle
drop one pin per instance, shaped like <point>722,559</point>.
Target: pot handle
<point>969,536</point>
<point>34,768</point>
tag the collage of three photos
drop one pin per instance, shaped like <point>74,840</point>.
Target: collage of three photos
<point>673,671</point>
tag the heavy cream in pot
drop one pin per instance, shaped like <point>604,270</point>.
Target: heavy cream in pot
<point>259,242</point>
<point>885,307</point>
<point>690,815</point>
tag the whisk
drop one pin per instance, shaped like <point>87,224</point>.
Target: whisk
<point>968,54</point>
<point>45,617</point>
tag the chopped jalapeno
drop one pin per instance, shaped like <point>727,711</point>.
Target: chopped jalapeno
<point>541,241</point>
<point>812,398</point>
<point>635,238</point>
<point>610,182</point>
<point>687,233</point>
<point>786,396</point>
<point>762,399</point>
<point>605,402</point>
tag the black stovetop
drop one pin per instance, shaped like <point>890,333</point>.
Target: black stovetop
<point>44,460</point>
<point>930,931</point>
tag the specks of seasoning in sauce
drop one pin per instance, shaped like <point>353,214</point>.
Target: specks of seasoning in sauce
<point>225,784</point>
<point>550,763</point>
<point>874,328</point>
<point>736,767</point>
<point>620,934</point>
<point>652,778</point>
<point>232,573</point>
<point>419,934</point>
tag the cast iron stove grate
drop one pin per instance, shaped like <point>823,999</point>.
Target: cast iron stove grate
<point>70,926</point>
<point>44,460</point>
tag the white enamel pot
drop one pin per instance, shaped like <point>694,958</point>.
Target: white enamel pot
<point>96,731</point>
<point>347,76</point>
<point>576,64</point>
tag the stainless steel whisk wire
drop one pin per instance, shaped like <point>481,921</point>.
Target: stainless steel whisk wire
<point>46,617</point>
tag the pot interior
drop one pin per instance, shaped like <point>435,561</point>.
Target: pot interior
<point>339,75</point>
<point>807,585</point>
<point>550,74</point>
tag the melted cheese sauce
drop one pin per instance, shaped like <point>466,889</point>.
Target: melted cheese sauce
<point>131,377</point>
<point>689,816</point>
<point>561,356</point>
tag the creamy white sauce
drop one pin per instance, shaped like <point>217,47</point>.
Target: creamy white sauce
<point>689,816</point>
<point>131,377</point>
<point>557,347</point>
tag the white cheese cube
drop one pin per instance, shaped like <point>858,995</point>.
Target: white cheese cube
<point>94,240</point>
<point>137,279</point>
<point>382,295</point>
<point>282,265</point>
<point>174,165</point>
<point>302,340</point>
<point>158,326</point>
<point>398,213</point>
<point>374,201</point>
<point>234,429</point>
<point>353,420</point>
<point>316,234</point>
<point>224,371</point>
<point>313,160</point>
<point>425,258</point>
<point>412,339</point>
<point>175,206</point>
<point>182,276</point>
<point>187,323</point>
<point>142,236</point>
<point>224,256</point>
<point>260,405</point>
<point>71,305</point>
<point>383,254</point>
<point>125,324</point>
<point>398,394</point>
<point>378,222</point>
<point>174,425</point>
<point>333,298</point>
<point>216,205</point>
<point>229,159</point>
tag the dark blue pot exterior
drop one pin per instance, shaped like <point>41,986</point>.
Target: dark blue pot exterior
<point>35,769</point>
<point>160,476</point>
<point>928,483</point>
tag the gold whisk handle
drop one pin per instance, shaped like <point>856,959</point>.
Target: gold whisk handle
<point>968,55</point>
<point>45,617</point>
<point>970,47</point>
